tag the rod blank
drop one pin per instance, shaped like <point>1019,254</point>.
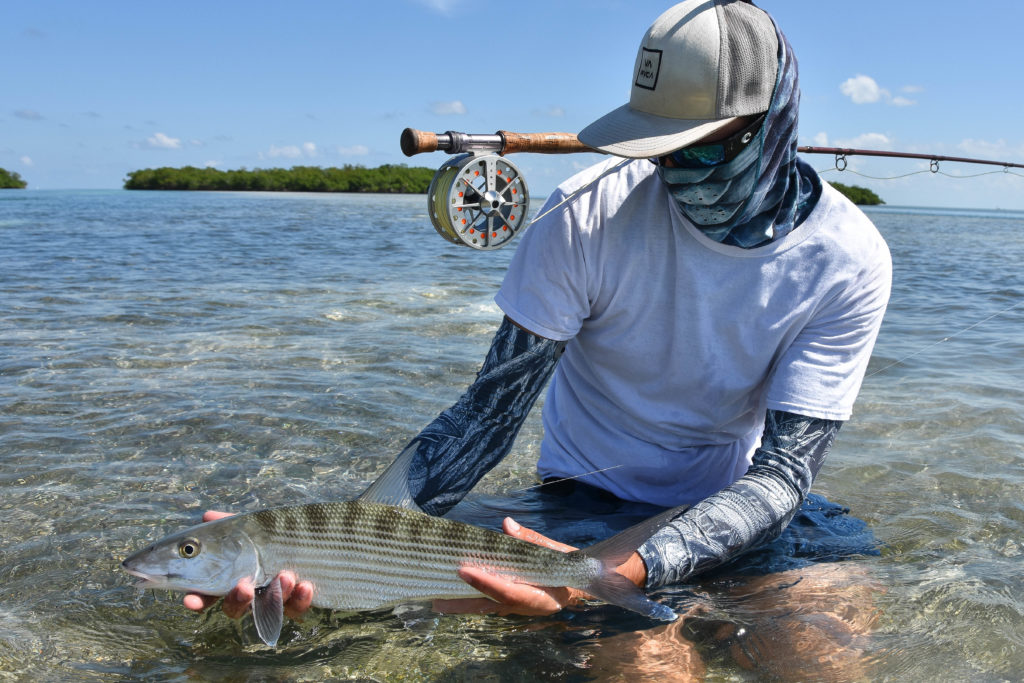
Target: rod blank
<point>842,152</point>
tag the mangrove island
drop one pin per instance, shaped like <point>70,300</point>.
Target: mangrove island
<point>857,194</point>
<point>11,181</point>
<point>387,178</point>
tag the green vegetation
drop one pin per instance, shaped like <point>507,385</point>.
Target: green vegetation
<point>9,180</point>
<point>858,195</point>
<point>388,178</point>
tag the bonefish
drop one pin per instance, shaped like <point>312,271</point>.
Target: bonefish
<point>364,554</point>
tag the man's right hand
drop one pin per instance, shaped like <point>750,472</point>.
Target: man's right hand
<point>297,595</point>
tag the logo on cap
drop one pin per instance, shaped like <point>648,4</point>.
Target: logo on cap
<point>650,65</point>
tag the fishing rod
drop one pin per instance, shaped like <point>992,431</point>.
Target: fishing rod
<point>842,152</point>
<point>479,199</point>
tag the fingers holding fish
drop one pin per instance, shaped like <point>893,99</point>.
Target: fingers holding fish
<point>513,528</point>
<point>298,596</point>
<point>198,603</point>
<point>507,597</point>
<point>633,569</point>
<point>236,603</point>
<point>211,515</point>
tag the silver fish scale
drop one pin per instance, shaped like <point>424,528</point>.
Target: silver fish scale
<point>365,555</point>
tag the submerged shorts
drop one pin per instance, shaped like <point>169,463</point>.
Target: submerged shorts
<point>578,514</point>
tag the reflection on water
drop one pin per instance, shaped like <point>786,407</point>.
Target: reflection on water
<point>798,625</point>
<point>165,353</point>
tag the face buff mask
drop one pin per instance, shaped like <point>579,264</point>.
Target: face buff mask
<point>764,191</point>
<point>711,194</point>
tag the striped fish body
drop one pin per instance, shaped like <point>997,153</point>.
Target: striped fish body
<point>361,555</point>
<point>365,555</point>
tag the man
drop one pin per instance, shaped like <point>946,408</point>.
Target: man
<point>705,314</point>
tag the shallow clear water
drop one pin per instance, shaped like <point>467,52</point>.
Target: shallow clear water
<point>166,353</point>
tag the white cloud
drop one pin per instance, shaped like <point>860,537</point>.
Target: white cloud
<point>442,6</point>
<point>867,141</point>
<point>553,111</point>
<point>448,108</point>
<point>354,150</point>
<point>307,149</point>
<point>861,89</point>
<point>820,140</point>
<point>865,90</point>
<point>212,164</point>
<point>161,141</point>
<point>29,115</point>
<point>984,149</point>
<point>288,151</point>
<point>26,160</point>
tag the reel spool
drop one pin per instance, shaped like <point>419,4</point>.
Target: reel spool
<point>478,200</point>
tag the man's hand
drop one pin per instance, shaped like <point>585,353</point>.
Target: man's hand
<point>508,597</point>
<point>297,595</point>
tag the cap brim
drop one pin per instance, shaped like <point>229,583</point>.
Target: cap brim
<point>626,132</point>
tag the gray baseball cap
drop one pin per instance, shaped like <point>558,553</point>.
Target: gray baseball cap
<point>701,65</point>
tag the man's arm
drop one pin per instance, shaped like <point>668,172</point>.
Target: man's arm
<point>465,441</point>
<point>753,510</point>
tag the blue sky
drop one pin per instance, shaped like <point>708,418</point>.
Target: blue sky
<point>92,90</point>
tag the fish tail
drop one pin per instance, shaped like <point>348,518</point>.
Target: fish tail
<point>615,588</point>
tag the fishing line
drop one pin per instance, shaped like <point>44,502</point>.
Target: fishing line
<point>573,195</point>
<point>872,177</point>
<point>944,339</point>
<point>906,175</point>
<point>559,481</point>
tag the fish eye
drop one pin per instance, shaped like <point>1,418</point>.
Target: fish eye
<point>189,548</point>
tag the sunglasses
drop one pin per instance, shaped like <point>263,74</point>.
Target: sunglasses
<point>714,153</point>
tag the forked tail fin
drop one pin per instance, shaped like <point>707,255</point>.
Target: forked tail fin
<point>613,587</point>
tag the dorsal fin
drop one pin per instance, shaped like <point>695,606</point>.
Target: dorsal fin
<point>392,487</point>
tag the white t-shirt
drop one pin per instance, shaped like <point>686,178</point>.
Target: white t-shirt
<point>678,344</point>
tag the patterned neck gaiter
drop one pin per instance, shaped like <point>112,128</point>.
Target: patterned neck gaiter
<point>766,190</point>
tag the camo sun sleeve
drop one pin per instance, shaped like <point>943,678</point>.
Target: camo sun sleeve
<point>750,512</point>
<point>465,441</point>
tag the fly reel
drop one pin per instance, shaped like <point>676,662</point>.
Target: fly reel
<point>478,200</point>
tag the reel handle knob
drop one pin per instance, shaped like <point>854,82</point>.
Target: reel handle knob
<point>417,142</point>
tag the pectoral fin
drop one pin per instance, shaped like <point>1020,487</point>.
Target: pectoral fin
<point>268,611</point>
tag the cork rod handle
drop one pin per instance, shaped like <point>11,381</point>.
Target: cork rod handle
<point>503,142</point>
<point>542,143</point>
